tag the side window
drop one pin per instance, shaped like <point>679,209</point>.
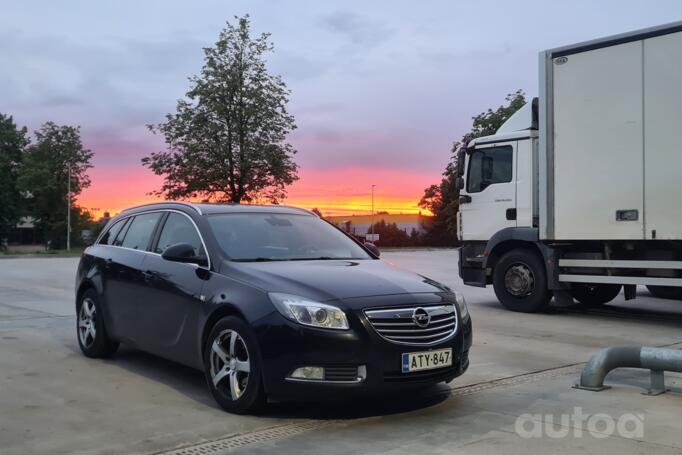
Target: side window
<point>119,237</point>
<point>489,166</point>
<point>112,232</point>
<point>179,229</point>
<point>140,231</point>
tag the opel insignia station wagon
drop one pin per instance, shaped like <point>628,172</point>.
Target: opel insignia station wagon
<point>268,301</point>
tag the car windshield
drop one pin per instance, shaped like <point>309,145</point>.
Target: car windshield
<point>281,237</point>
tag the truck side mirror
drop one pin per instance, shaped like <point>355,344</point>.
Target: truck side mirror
<point>459,183</point>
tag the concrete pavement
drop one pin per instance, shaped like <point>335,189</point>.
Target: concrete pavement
<point>54,400</point>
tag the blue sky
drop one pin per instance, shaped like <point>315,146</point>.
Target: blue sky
<point>376,86</point>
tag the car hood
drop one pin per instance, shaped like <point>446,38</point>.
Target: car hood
<point>331,279</point>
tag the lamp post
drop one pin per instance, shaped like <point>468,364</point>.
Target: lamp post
<point>372,220</point>
<point>68,210</point>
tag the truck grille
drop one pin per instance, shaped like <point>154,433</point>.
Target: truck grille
<point>399,325</point>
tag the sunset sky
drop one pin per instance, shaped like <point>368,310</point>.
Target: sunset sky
<point>379,89</point>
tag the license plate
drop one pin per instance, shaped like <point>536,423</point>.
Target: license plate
<point>426,360</point>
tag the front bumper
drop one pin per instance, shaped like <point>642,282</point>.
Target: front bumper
<point>286,346</point>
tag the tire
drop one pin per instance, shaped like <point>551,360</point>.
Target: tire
<point>232,368</point>
<point>593,295</point>
<point>666,292</point>
<point>520,281</point>
<point>91,331</point>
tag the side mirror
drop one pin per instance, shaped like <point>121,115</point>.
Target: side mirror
<point>182,252</point>
<point>373,249</point>
<point>459,183</point>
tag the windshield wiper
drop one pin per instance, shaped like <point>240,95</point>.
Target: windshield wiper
<point>257,260</point>
<point>322,258</point>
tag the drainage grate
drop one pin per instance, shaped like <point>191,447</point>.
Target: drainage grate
<point>258,436</point>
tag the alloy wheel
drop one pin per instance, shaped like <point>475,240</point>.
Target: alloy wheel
<point>230,364</point>
<point>87,330</point>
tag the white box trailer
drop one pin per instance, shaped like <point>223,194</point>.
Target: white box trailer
<point>578,193</point>
<point>611,126</point>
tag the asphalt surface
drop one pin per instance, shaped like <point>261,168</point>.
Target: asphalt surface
<point>53,400</point>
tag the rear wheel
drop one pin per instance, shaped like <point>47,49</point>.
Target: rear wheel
<point>595,294</point>
<point>232,367</point>
<point>93,338</point>
<point>520,281</point>
<point>666,292</point>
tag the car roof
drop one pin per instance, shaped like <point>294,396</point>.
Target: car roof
<point>210,209</point>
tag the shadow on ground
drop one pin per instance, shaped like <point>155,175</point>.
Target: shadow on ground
<point>192,384</point>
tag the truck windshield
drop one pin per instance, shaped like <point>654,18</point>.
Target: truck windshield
<point>248,237</point>
<point>489,166</point>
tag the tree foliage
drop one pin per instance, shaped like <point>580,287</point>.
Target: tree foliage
<point>44,174</point>
<point>226,141</point>
<point>13,140</point>
<point>443,199</point>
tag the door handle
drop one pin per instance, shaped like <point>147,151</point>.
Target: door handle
<point>465,199</point>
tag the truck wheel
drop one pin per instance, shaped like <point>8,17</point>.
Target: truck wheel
<point>595,294</point>
<point>666,292</point>
<point>520,281</point>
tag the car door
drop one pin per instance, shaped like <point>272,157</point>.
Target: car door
<point>488,202</point>
<point>126,273</point>
<point>172,296</point>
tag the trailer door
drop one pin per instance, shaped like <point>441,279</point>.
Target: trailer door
<point>663,136</point>
<point>598,144</point>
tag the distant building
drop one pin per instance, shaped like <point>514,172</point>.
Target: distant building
<point>25,233</point>
<point>359,225</point>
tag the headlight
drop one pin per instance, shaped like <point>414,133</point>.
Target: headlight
<point>464,311</point>
<point>309,312</point>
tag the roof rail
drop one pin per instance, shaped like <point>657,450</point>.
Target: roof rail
<point>186,204</point>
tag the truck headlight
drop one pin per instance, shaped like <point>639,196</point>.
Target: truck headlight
<point>463,309</point>
<point>309,312</point>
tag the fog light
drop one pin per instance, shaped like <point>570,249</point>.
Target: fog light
<point>316,373</point>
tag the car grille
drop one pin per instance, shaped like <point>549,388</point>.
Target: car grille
<point>398,324</point>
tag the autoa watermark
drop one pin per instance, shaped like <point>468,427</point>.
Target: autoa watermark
<point>578,423</point>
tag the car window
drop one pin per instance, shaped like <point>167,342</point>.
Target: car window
<point>112,232</point>
<point>281,237</point>
<point>179,229</point>
<point>119,237</point>
<point>140,231</point>
<point>489,166</point>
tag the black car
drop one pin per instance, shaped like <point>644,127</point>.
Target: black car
<point>269,301</point>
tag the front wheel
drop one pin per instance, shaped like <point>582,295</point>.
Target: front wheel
<point>232,367</point>
<point>595,294</point>
<point>520,281</point>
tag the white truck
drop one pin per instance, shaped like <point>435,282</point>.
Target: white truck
<point>579,194</point>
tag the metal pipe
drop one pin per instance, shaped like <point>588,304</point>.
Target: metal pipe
<point>655,359</point>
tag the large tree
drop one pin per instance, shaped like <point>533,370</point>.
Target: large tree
<point>226,141</point>
<point>443,199</point>
<point>44,176</point>
<point>12,143</point>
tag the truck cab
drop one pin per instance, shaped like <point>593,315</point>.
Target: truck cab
<point>498,189</point>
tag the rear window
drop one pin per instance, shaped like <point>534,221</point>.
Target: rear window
<point>140,231</point>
